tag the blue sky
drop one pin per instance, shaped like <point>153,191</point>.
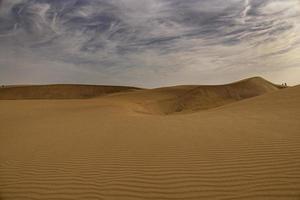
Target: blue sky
<point>148,43</point>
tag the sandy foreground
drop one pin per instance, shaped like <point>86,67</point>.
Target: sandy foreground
<point>111,148</point>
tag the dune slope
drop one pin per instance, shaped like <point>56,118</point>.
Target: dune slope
<point>191,98</point>
<point>102,149</point>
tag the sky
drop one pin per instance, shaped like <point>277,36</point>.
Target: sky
<point>148,43</point>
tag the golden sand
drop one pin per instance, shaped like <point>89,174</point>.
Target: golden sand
<point>236,141</point>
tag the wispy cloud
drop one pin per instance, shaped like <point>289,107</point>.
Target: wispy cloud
<point>148,42</point>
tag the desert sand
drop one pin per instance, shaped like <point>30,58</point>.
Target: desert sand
<point>234,141</point>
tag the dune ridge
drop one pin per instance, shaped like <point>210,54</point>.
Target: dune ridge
<point>59,91</point>
<point>167,100</point>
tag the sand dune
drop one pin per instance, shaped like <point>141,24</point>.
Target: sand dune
<point>106,148</point>
<point>193,98</point>
<point>168,100</point>
<point>59,91</point>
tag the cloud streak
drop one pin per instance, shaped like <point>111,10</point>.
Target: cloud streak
<point>148,42</point>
